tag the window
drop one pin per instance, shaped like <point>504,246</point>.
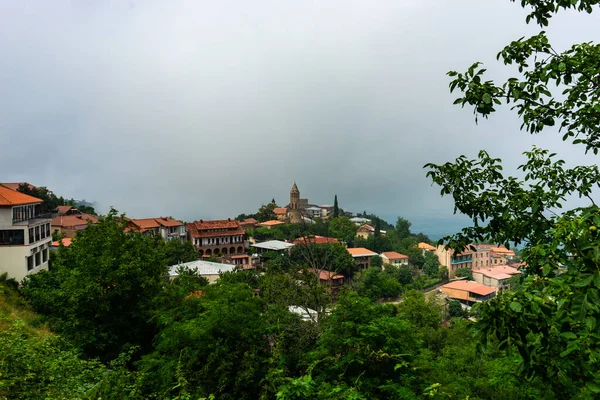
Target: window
<point>12,237</point>
<point>37,233</point>
<point>37,259</point>
<point>47,229</point>
<point>44,255</point>
<point>29,263</point>
<point>43,232</point>
<point>31,235</point>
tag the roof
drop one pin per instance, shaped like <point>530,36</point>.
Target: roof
<point>470,286</point>
<point>313,209</point>
<point>307,314</point>
<point>280,210</point>
<point>249,221</point>
<point>15,185</point>
<point>63,210</point>
<point>169,222</point>
<point>497,271</point>
<point>360,252</point>
<point>239,256</point>
<point>65,242</point>
<point>367,227</point>
<point>147,223</point>
<point>224,227</point>
<point>425,246</point>
<point>316,240</point>
<point>69,221</point>
<point>325,275</point>
<point>202,267</point>
<point>295,188</point>
<point>275,245</point>
<point>392,255</point>
<point>273,222</point>
<point>360,220</point>
<point>10,197</point>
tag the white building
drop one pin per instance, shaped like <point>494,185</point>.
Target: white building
<point>314,212</point>
<point>25,237</point>
<point>272,245</point>
<point>394,258</point>
<point>360,221</point>
<point>206,269</point>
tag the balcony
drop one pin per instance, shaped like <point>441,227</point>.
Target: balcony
<point>34,220</point>
<point>461,261</point>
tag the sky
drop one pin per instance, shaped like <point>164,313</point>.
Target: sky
<point>202,109</point>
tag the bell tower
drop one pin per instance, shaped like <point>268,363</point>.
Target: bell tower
<point>294,213</point>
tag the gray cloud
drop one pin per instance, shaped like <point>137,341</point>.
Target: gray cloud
<point>208,109</point>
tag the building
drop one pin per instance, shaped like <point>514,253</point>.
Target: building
<point>64,241</point>
<point>281,213</point>
<point>69,225</point>
<point>362,256</point>
<point>496,276</point>
<point>276,246</point>
<point>393,258</point>
<point>206,269</point>
<point>426,247</point>
<point>474,256</point>
<point>366,230</point>
<point>224,237</point>
<point>248,223</point>
<point>315,240</point>
<point>165,227</point>
<point>468,291</point>
<point>326,210</point>
<point>314,212</point>
<point>294,213</point>
<point>360,221</point>
<point>25,237</point>
<point>270,224</point>
<point>327,278</point>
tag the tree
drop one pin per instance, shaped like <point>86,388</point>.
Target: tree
<point>266,212</point>
<point>342,228</point>
<point>455,309</point>
<point>551,322</point>
<point>336,210</point>
<point>177,252</point>
<point>464,272</point>
<point>377,232</point>
<point>376,284</point>
<point>431,265</point>
<point>402,228</point>
<point>100,289</point>
<point>327,256</point>
<point>376,261</point>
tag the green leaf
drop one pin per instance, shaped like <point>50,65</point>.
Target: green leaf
<point>562,66</point>
<point>515,306</point>
<point>487,99</point>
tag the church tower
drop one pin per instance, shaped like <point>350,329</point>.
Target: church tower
<point>294,212</point>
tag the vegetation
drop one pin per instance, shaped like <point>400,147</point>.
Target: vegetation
<point>50,201</point>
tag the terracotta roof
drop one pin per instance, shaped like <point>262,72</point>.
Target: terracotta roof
<point>280,210</point>
<point>497,271</point>
<point>169,222</point>
<point>271,223</point>
<point>69,221</point>
<point>470,286</point>
<point>146,223</point>
<point>202,229</point>
<point>326,275</point>
<point>9,197</point>
<point>360,252</point>
<point>316,240</point>
<point>15,185</point>
<point>367,227</point>
<point>425,246</point>
<point>250,221</point>
<point>241,256</point>
<point>63,210</point>
<point>65,242</point>
<point>392,255</point>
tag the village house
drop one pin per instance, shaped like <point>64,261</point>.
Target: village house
<point>426,247</point>
<point>281,213</point>
<point>474,256</point>
<point>366,230</point>
<point>333,280</point>
<point>315,240</point>
<point>25,237</point>
<point>496,276</point>
<point>248,223</point>
<point>468,292</point>
<point>361,256</point>
<point>276,246</point>
<point>218,237</point>
<point>313,212</point>
<point>165,227</point>
<point>360,221</point>
<point>270,224</point>
<point>393,258</point>
<point>70,220</point>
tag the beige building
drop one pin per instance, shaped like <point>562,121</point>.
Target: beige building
<point>468,291</point>
<point>393,258</point>
<point>294,213</point>
<point>362,256</point>
<point>474,256</point>
<point>25,237</point>
<point>218,237</point>
<point>165,227</point>
<point>496,276</point>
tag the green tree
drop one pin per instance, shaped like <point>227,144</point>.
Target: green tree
<point>266,212</point>
<point>551,322</point>
<point>327,256</point>
<point>100,289</point>
<point>402,228</point>
<point>377,232</point>
<point>376,284</point>
<point>177,252</point>
<point>455,309</point>
<point>342,228</point>
<point>464,272</point>
<point>376,261</point>
<point>336,210</point>
<point>431,265</point>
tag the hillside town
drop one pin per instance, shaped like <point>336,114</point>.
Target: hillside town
<point>29,232</point>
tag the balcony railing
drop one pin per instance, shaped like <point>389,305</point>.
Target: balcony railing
<point>460,261</point>
<point>34,220</point>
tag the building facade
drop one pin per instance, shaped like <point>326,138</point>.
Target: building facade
<point>394,258</point>
<point>25,237</point>
<point>474,256</point>
<point>165,227</point>
<point>217,238</point>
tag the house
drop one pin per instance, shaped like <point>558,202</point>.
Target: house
<point>326,210</point>
<point>248,223</point>
<point>426,247</point>
<point>69,225</point>
<point>281,213</point>
<point>25,237</point>
<point>223,237</point>
<point>452,261</point>
<point>206,269</point>
<point>331,279</point>
<point>474,256</point>
<point>360,221</point>
<point>315,240</point>
<point>64,241</point>
<point>270,224</point>
<point>244,261</point>
<point>362,256</point>
<point>468,291</point>
<point>165,227</point>
<point>272,245</point>
<point>496,276</point>
<point>393,258</point>
<point>366,230</point>
<point>314,212</point>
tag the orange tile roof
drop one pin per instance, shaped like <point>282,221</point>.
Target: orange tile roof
<point>392,255</point>
<point>69,221</point>
<point>240,256</point>
<point>169,222</point>
<point>425,246</point>
<point>497,271</point>
<point>470,286</point>
<point>280,210</point>
<point>325,275</point>
<point>360,252</point>
<point>217,224</point>
<point>65,242</point>
<point>63,210</point>
<point>9,197</point>
<point>271,223</point>
<point>367,227</point>
<point>316,240</point>
<point>146,223</point>
<point>224,227</point>
<point>15,185</point>
<point>250,221</point>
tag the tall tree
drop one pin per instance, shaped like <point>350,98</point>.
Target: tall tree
<point>552,320</point>
<point>402,228</point>
<point>377,228</point>
<point>336,209</point>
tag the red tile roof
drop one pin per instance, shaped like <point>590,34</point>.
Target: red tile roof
<point>470,286</point>
<point>215,228</point>
<point>63,210</point>
<point>69,221</point>
<point>280,210</point>
<point>271,223</point>
<point>9,197</point>
<point>147,223</point>
<point>360,252</point>
<point>497,271</point>
<point>15,185</point>
<point>425,246</point>
<point>169,222</point>
<point>316,240</point>
<point>250,221</point>
<point>65,242</point>
<point>326,275</point>
<point>392,255</point>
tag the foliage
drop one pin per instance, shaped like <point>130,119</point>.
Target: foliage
<point>455,309</point>
<point>266,212</point>
<point>100,289</point>
<point>336,209</point>
<point>431,265</point>
<point>403,228</point>
<point>376,284</point>
<point>326,256</point>
<point>342,228</point>
<point>464,272</point>
<point>177,252</point>
<point>376,261</point>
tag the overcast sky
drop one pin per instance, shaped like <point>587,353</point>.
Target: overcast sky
<point>207,109</point>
